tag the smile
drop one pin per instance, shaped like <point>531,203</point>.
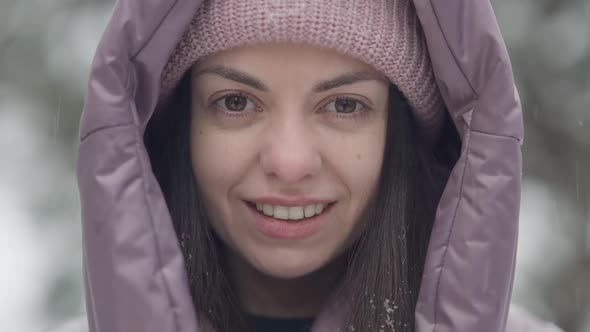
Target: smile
<point>291,212</point>
<point>286,219</point>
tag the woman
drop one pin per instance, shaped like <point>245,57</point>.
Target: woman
<point>282,176</point>
<point>274,165</point>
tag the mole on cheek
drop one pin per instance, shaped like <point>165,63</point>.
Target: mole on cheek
<point>358,156</point>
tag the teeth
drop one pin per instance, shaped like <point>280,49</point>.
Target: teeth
<point>281,212</point>
<point>295,213</point>
<point>267,209</point>
<point>319,208</point>
<point>309,211</point>
<point>290,213</point>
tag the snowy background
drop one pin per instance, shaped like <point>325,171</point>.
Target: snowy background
<point>45,51</point>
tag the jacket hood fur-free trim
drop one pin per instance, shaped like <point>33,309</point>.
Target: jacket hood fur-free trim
<point>133,266</point>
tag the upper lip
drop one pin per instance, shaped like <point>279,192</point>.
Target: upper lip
<point>289,201</point>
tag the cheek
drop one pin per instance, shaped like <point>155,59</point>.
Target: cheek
<point>364,159</point>
<point>358,168</point>
<point>215,173</point>
<point>210,163</point>
<point>210,155</point>
<point>360,162</point>
<point>207,161</point>
<point>220,159</point>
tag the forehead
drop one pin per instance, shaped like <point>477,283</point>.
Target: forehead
<point>297,60</point>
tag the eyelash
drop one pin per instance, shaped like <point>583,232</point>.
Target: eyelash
<point>354,115</point>
<point>231,114</point>
<point>258,108</point>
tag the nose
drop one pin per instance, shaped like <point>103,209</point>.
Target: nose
<point>290,154</point>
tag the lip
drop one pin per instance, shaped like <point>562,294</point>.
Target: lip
<point>282,229</point>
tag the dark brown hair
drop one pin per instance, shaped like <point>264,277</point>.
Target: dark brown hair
<point>384,266</point>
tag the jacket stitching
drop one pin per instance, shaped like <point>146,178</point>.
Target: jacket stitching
<point>442,32</point>
<point>105,127</point>
<point>495,135</point>
<point>147,41</point>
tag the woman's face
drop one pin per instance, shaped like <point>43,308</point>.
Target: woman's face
<point>287,143</point>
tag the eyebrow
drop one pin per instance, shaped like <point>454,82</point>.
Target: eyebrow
<point>322,86</point>
<point>346,79</point>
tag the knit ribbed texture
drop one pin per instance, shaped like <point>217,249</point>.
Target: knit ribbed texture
<point>383,33</point>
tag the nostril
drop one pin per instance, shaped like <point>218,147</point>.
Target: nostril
<point>291,163</point>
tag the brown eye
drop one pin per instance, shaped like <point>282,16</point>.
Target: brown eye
<point>344,105</point>
<point>235,103</point>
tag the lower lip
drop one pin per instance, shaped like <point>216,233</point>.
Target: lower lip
<point>283,229</point>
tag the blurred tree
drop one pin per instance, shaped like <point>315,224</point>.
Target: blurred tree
<point>550,50</point>
<point>45,52</point>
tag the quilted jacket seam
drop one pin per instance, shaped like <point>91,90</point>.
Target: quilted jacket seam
<point>147,41</point>
<point>442,32</point>
<point>103,128</point>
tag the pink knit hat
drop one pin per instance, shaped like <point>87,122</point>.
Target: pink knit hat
<point>383,33</point>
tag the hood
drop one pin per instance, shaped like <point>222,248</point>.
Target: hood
<point>133,265</point>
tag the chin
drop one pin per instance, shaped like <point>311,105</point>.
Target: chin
<point>288,263</point>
